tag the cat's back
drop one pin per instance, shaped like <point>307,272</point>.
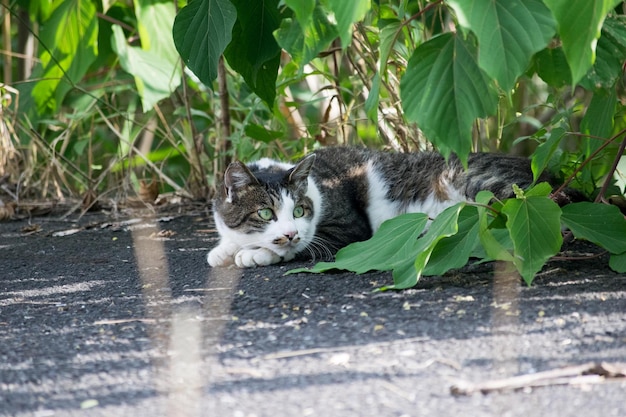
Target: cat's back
<point>341,162</point>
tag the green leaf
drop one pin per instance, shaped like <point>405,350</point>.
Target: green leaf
<point>544,152</point>
<point>610,54</point>
<point>618,262</point>
<point>303,10</point>
<point>454,251</point>
<point>543,189</point>
<point>253,51</point>
<point>551,65</point>
<point>601,224</point>
<point>393,245</point>
<point>499,238</point>
<point>388,36</point>
<point>154,22</point>
<point>598,123</point>
<point>260,133</point>
<point>444,91</point>
<point>69,46</point>
<point>346,13</point>
<point>509,33</point>
<point>445,225</point>
<point>579,23</point>
<point>155,65</point>
<point>494,247</point>
<point>304,43</point>
<point>154,75</point>
<point>202,30</point>
<point>535,229</point>
<point>371,104</point>
<point>598,119</point>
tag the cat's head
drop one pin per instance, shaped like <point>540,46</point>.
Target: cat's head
<point>267,205</point>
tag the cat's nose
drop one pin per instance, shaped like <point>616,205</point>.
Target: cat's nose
<point>290,234</point>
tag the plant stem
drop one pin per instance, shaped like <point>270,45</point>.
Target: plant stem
<point>225,145</point>
<point>6,34</point>
<point>589,159</point>
<point>609,175</point>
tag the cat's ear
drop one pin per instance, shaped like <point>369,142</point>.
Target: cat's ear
<point>237,176</point>
<point>300,172</point>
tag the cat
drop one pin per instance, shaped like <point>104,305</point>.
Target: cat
<point>269,211</point>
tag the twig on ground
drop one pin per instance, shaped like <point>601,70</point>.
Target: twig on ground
<point>589,373</point>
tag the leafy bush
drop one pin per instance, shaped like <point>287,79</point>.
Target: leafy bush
<point>109,99</point>
<point>456,61</point>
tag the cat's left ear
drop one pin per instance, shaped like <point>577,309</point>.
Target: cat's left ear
<point>300,172</point>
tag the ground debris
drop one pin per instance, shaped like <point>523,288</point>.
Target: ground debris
<point>589,373</point>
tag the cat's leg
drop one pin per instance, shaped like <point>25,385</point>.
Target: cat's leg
<point>223,254</point>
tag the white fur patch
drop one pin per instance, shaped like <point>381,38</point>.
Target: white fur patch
<point>265,163</point>
<point>380,208</point>
<point>314,194</point>
<point>432,206</point>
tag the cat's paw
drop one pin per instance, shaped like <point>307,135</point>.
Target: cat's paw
<point>222,255</point>
<point>247,258</point>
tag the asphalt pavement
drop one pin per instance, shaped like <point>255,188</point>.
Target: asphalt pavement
<point>123,317</point>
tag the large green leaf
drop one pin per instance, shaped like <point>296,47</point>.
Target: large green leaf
<point>69,46</point>
<point>444,91</point>
<point>534,225</point>
<point>253,51</point>
<point>155,65</point>
<point>202,30</point>
<point>346,13</point>
<point>304,43</point>
<point>392,246</point>
<point>579,23</point>
<point>509,33</point>
<point>601,224</point>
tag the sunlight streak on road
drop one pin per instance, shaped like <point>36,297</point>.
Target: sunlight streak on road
<point>186,349</point>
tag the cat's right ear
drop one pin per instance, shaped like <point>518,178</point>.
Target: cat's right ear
<point>236,177</point>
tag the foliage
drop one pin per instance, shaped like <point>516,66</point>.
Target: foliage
<point>124,90</point>
<point>507,231</point>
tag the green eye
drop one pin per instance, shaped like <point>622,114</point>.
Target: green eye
<point>298,212</point>
<point>266,214</point>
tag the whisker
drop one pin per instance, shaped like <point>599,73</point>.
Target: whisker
<point>319,247</point>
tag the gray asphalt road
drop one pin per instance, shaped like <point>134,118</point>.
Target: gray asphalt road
<point>126,319</point>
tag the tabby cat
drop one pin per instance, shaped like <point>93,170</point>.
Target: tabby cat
<point>270,211</point>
